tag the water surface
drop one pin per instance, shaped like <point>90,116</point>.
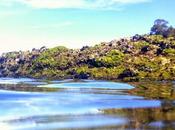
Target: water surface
<point>29,104</point>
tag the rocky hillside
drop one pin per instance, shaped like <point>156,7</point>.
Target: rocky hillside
<point>137,58</point>
<point>15,64</point>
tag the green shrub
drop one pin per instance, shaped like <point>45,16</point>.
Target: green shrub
<point>113,58</point>
<point>48,59</point>
<point>140,44</point>
<point>169,51</point>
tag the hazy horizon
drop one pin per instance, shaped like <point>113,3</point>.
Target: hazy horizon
<point>32,24</point>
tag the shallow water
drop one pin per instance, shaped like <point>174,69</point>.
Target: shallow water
<point>28,104</point>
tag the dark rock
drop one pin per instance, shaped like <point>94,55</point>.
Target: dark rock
<point>126,73</point>
<point>92,62</point>
<point>162,45</point>
<point>13,68</point>
<point>2,59</point>
<point>145,49</point>
<point>42,49</point>
<point>82,75</point>
<point>84,48</point>
<point>159,51</point>
<point>110,44</point>
<point>136,37</point>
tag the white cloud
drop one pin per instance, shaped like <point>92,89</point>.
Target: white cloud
<point>54,3</point>
<point>80,4</point>
<point>10,13</point>
<point>130,1</point>
<point>57,25</point>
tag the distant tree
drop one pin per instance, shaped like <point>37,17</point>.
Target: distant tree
<point>160,27</point>
<point>171,32</point>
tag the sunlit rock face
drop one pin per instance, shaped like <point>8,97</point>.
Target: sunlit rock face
<point>13,64</point>
<point>29,104</point>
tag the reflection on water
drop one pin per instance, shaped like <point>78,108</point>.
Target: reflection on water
<point>162,118</point>
<point>154,90</point>
<point>28,104</point>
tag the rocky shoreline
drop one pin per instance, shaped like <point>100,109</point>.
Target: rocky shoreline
<point>140,57</point>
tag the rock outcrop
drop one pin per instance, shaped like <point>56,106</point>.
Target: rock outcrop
<point>139,57</point>
<point>13,64</point>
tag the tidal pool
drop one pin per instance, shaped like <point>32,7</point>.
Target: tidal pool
<point>29,104</point>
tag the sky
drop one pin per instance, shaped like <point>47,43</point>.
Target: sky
<point>27,24</point>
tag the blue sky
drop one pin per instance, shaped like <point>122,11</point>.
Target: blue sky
<point>25,24</point>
